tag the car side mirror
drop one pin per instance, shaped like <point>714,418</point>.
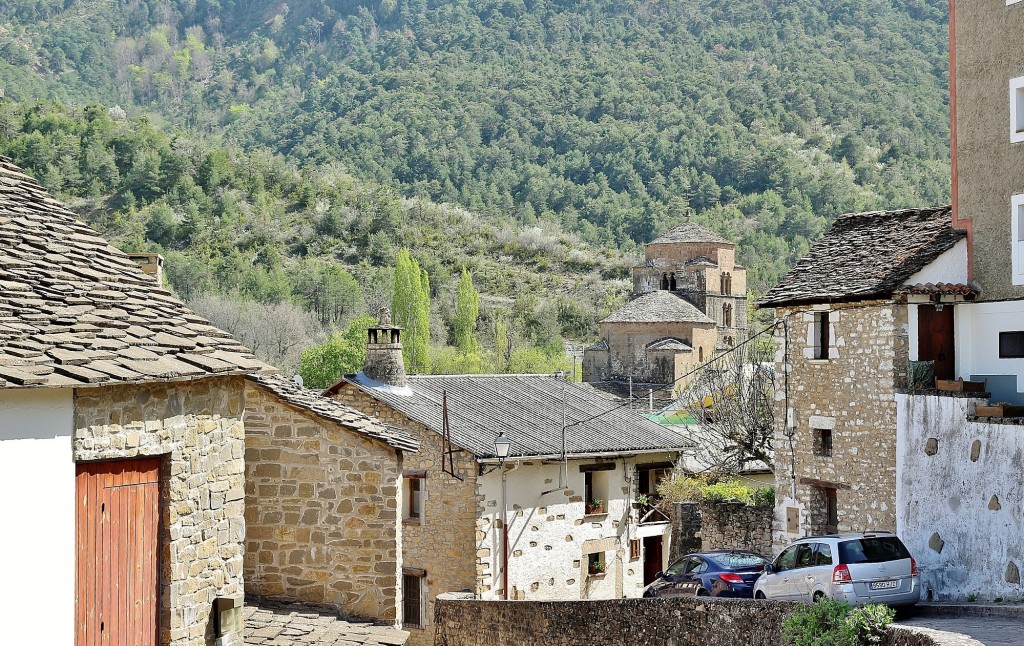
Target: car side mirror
<point>768,569</point>
<point>659,575</point>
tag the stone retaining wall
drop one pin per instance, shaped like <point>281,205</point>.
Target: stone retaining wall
<point>736,526</point>
<point>651,622</point>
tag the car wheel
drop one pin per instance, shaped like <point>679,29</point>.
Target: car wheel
<point>818,597</point>
<point>759,595</point>
<point>701,592</point>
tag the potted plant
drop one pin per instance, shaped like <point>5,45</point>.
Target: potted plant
<point>597,567</point>
<point>999,409</point>
<point>642,500</point>
<point>595,506</point>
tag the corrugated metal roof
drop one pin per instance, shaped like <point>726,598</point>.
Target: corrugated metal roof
<point>528,409</point>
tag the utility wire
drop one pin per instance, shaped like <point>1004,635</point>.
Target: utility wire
<point>667,386</point>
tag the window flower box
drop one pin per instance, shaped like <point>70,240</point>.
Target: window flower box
<point>960,386</point>
<point>998,410</point>
<point>595,507</point>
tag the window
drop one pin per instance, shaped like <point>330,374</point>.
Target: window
<point>412,496</point>
<point>727,315</point>
<point>831,511</point>
<point>695,565</point>
<point>634,549</point>
<point>822,554</point>
<point>664,281</point>
<point>1011,345</point>
<point>595,563</point>
<point>1017,238</point>
<point>821,335</point>
<point>595,491</point>
<point>804,556</point>
<point>672,282</point>
<point>786,560</point>
<point>823,442</point>
<point>413,580</point>
<point>1017,109</point>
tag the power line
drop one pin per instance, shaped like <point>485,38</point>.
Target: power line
<point>667,386</point>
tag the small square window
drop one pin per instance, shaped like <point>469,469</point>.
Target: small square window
<point>595,563</point>
<point>823,442</point>
<point>595,492</point>
<point>1017,109</point>
<point>821,335</point>
<point>634,549</point>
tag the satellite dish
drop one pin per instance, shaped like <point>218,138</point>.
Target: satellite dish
<point>297,379</point>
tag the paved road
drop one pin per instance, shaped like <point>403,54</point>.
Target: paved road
<point>991,631</point>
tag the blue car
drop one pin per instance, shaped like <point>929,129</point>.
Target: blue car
<point>713,574</point>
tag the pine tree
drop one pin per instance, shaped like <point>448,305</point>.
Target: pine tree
<point>467,310</point>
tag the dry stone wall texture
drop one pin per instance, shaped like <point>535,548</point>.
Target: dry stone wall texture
<point>322,511</point>
<point>443,543</point>
<point>736,526</point>
<point>197,428</point>
<point>852,394</point>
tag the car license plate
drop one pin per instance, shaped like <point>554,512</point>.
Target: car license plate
<point>884,585</point>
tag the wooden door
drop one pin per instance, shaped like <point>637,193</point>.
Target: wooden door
<point>652,558</point>
<point>117,561</point>
<point>935,340</point>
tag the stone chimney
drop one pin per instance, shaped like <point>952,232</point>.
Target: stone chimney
<point>152,264</point>
<point>384,352</point>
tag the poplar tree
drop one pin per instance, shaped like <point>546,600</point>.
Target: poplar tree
<point>410,308</point>
<point>467,311</point>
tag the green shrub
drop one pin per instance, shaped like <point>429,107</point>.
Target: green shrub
<point>834,623</point>
<point>711,489</point>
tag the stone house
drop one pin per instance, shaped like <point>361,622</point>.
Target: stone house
<point>323,489</point>
<point>559,528</point>
<point>121,443</point>
<point>689,302</point>
<point>876,291</point>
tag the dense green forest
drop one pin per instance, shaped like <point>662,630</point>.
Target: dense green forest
<point>263,145</point>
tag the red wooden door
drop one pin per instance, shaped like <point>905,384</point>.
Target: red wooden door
<point>117,561</point>
<point>652,558</point>
<point>935,340</point>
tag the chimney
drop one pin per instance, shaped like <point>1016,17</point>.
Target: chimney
<point>384,352</point>
<point>151,264</point>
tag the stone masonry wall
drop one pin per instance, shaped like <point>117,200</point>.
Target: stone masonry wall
<point>686,528</point>
<point>852,393</point>
<point>736,526</point>
<point>322,510</point>
<point>627,354</point>
<point>197,427</point>
<point>444,541</point>
<point>651,622</point>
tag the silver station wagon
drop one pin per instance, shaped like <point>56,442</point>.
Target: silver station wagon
<point>856,568</point>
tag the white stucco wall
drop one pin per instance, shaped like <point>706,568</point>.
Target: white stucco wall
<point>550,536</point>
<point>37,495</point>
<point>949,267</point>
<point>969,509</point>
<point>978,326</point>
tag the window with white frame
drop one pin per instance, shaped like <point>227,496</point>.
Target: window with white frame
<point>1017,238</point>
<point>1017,109</point>
<point>820,340</point>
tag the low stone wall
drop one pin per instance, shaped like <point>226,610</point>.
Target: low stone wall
<point>651,622</point>
<point>686,527</point>
<point>736,526</point>
<point>612,622</point>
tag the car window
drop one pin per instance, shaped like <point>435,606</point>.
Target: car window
<point>676,568</point>
<point>876,549</point>
<point>694,565</point>
<point>786,560</point>
<point>804,556</point>
<point>701,568</point>
<point>822,554</point>
<point>730,561</point>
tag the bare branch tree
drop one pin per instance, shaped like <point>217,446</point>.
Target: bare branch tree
<point>731,401</point>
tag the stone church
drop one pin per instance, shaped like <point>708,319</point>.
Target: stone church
<point>689,303</point>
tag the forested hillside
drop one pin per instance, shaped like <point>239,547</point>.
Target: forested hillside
<point>278,136</point>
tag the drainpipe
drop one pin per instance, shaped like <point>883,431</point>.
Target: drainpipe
<point>504,529</point>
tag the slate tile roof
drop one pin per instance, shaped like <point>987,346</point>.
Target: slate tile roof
<point>75,311</point>
<point>528,409</point>
<point>334,411</point>
<point>690,232</point>
<point>660,306</point>
<point>866,255</point>
<point>940,289</point>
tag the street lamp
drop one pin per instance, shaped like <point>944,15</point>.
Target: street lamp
<point>501,446</point>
